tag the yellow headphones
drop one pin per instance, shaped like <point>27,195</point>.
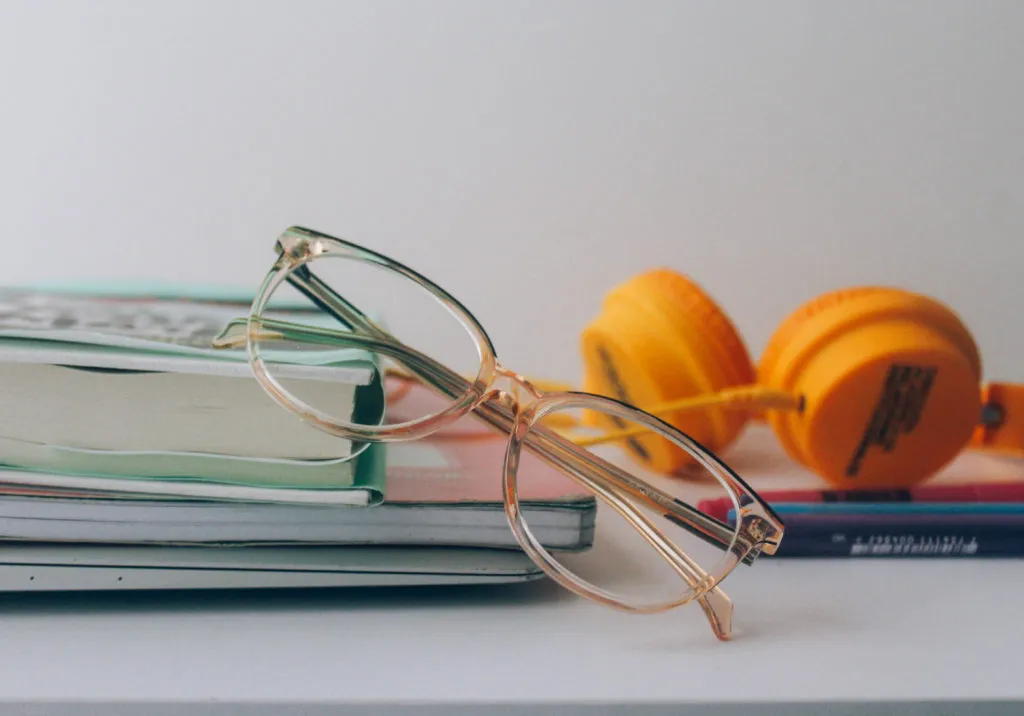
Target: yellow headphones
<point>866,386</point>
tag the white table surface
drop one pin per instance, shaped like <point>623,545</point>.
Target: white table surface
<point>850,631</point>
<point>858,635</point>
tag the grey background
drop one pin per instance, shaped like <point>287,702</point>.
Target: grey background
<point>771,151</point>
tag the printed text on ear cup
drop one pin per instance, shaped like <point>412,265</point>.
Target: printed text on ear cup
<point>897,411</point>
<point>612,376</point>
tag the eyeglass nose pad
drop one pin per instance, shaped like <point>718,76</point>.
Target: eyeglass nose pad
<point>519,385</point>
<point>505,399</point>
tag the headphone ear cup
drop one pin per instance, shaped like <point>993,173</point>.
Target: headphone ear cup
<point>660,338</point>
<point>889,381</point>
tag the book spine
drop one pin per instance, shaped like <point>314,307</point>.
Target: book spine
<point>920,536</point>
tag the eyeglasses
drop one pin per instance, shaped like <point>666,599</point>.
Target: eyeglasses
<point>407,322</point>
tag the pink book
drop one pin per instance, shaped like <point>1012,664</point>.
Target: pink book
<point>464,463</point>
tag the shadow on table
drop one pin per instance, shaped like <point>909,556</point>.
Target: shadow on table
<point>283,599</point>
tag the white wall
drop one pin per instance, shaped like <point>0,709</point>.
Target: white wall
<point>822,144</point>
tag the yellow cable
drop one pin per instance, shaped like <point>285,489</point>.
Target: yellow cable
<point>753,397</point>
<point>748,397</point>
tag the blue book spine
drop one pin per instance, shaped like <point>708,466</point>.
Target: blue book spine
<point>920,535</point>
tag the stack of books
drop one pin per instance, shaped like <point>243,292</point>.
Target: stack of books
<point>123,429</point>
<point>127,439</point>
<point>972,508</point>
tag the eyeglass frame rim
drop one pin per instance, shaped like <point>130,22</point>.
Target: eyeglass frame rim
<point>292,247</point>
<point>298,246</point>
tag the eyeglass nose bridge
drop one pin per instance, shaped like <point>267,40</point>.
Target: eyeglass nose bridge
<point>513,390</point>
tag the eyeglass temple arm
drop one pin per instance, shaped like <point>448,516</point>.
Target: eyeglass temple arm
<point>310,286</point>
<point>564,457</point>
<point>765,532</point>
<point>553,448</point>
<point>714,602</point>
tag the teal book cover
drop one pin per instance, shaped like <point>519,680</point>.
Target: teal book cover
<point>116,328</point>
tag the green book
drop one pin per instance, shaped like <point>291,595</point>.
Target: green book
<point>122,383</point>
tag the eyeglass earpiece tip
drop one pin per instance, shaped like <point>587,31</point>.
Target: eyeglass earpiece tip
<point>718,609</point>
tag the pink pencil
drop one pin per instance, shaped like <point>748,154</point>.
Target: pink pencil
<point>981,492</point>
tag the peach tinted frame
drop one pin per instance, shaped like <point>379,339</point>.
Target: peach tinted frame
<point>512,405</point>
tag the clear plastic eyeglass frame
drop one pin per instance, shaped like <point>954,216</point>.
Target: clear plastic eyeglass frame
<point>512,405</point>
